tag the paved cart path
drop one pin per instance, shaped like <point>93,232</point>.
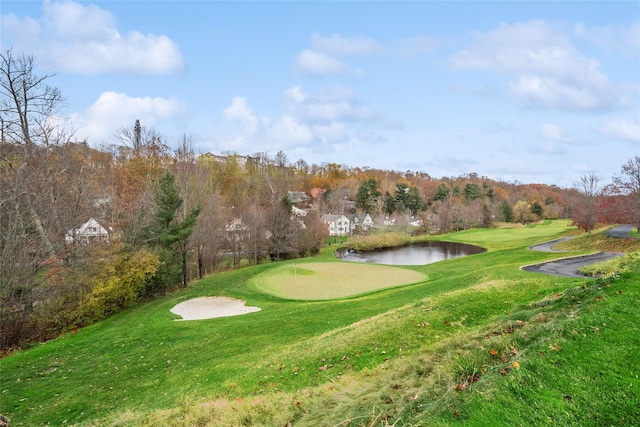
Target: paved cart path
<point>621,231</point>
<point>570,266</point>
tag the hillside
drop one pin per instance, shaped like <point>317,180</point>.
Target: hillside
<point>478,342</point>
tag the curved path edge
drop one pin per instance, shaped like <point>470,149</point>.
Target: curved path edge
<point>570,266</point>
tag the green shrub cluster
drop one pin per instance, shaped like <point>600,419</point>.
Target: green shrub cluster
<point>121,281</point>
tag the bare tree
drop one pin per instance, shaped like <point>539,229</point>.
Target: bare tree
<point>27,102</point>
<point>629,183</point>
<point>585,213</point>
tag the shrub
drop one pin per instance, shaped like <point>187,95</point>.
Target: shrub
<point>379,241</point>
<point>120,285</point>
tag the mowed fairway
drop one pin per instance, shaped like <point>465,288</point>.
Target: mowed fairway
<point>331,280</point>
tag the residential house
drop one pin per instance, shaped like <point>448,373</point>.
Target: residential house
<point>234,229</point>
<point>316,193</point>
<point>348,206</point>
<point>298,212</point>
<point>297,197</point>
<point>89,232</point>
<point>361,222</point>
<point>339,225</point>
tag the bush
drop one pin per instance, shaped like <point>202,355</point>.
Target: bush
<point>123,280</point>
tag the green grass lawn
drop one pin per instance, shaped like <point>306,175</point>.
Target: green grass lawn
<point>476,342</point>
<point>331,280</point>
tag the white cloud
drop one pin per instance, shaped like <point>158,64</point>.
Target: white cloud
<point>293,132</point>
<point>415,45</point>
<point>319,63</point>
<point>336,104</point>
<point>240,111</point>
<point>550,92</point>
<point>553,132</point>
<point>83,39</point>
<point>552,139</point>
<point>309,121</point>
<point>343,46</point>
<point>321,59</point>
<point>114,110</point>
<point>625,38</point>
<point>549,72</point>
<point>621,129</point>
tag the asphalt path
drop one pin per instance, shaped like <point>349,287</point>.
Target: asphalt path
<point>548,246</point>
<point>621,231</point>
<point>570,266</point>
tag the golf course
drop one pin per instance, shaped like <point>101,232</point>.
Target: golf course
<point>468,341</point>
<point>332,280</point>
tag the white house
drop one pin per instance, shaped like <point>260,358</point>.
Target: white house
<point>298,212</point>
<point>361,221</point>
<point>89,232</point>
<point>339,225</point>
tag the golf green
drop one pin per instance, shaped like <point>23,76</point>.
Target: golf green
<point>331,280</point>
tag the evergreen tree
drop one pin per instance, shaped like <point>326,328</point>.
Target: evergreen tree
<point>536,209</point>
<point>368,196</point>
<point>505,212</point>
<point>408,198</point>
<point>442,192</point>
<point>472,192</point>
<point>170,235</point>
<point>389,203</point>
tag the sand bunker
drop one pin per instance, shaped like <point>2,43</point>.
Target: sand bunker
<point>211,307</point>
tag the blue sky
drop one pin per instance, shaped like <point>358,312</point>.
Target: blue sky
<point>535,92</point>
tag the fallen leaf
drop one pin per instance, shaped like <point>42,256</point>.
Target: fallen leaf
<point>493,351</point>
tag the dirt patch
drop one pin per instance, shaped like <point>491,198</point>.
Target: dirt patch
<point>211,307</point>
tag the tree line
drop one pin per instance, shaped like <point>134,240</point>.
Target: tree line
<point>172,214</point>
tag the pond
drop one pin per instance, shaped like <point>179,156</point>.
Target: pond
<point>416,254</point>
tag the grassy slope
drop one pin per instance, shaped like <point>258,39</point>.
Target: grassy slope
<point>364,359</point>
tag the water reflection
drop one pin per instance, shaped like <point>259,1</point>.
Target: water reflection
<point>416,254</point>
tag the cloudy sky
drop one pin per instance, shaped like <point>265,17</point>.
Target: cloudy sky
<point>535,92</point>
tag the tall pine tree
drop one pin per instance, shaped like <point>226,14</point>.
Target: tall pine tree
<point>169,232</point>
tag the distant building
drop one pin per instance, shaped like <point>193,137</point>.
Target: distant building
<point>362,221</point>
<point>89,232</point>
<point>298,212</point>
<point>316,193</point>
<point>339,225</point>
<point>297,197</point>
